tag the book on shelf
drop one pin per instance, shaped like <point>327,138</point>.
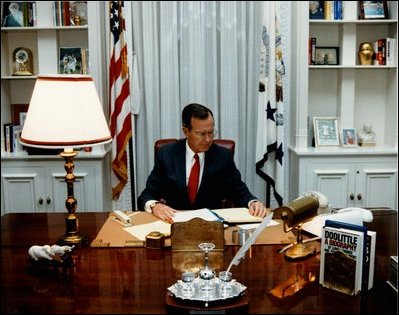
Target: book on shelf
<point>62,13</point>
<point>342,259</point>
<point>7,138</point>
<point>12,133</point>
<point>328,10</point>
<point>390,51</point>
<point>312,50</point>
<point>338,10</point>
<point>379,52</point>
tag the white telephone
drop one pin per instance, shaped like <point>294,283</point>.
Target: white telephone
<point>367,215</point>
<point>323,201</point>
<point>350,215</point>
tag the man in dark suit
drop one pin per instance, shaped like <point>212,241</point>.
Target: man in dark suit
<point>219,177</point>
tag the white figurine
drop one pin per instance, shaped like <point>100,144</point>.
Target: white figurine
<point>37,252</point>
<point>60,250</point>
<point>367,135</point>
<point>48,252</point>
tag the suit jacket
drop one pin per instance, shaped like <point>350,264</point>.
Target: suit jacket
<point>221,179</point>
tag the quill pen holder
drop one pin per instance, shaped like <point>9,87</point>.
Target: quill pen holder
<point>206,287</point>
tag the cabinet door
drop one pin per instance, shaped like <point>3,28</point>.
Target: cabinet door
<point>86,192</point>
<point>23,189</point>
<point>336,181</point>
<point>59,191</point>
<point>376,186</point>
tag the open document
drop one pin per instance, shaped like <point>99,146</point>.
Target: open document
<point>142,230</point>
<point>228,215</point>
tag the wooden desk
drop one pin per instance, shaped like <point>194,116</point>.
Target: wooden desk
<point>134,280</point>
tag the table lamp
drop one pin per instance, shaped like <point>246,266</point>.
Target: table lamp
<point>65,112</point>
<point>294,215</point>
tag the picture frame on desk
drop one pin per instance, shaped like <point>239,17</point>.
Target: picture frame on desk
<point>373,10</point>
<point>327,56</point>
<point>326,131</point>
<point>348,137</point>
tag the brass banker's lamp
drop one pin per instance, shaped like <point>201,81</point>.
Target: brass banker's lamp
<point>294,215</point>
<point>65,112</point>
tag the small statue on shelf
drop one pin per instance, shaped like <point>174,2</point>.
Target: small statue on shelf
<point>367,135</point>
<point>366,54</point>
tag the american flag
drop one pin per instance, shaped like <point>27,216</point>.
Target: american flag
<point>119,99</point>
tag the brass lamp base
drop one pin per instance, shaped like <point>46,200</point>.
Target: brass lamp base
<point>300,250</point>
<point>77,240</point>
<point>72,235</point>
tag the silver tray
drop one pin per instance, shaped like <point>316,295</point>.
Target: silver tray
<point>215,291</point>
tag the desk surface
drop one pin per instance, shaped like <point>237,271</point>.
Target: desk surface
<point>134,280</point>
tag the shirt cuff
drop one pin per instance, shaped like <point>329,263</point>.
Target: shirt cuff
<point>147,205</point>
<point>249,203</point>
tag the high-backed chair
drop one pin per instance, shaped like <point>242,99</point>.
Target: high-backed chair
<point>226,143</point>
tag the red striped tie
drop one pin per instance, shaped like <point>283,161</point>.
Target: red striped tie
<point>193,180</point>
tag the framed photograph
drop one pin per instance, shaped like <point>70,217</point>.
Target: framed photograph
<point>348,136</point>
<point>373,10</point>
<point>316,10</point>
<point>70,60</point>
<point>326,131</point>
<point>327,56</point>
<point>12,14</point>
<point>78,10</point>
<point>19,113</point>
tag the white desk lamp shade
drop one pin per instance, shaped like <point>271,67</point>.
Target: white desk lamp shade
<point>65,111</point>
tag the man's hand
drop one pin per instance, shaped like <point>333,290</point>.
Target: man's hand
<point>257,209</point>
<point>163,212</point>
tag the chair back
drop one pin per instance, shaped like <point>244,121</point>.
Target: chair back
<point>226,143</point>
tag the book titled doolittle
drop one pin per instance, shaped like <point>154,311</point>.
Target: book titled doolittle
<point>342,259</point>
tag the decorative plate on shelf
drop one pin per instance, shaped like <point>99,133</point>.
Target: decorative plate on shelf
<point>78,11</point>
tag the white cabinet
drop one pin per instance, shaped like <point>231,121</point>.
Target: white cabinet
<point>354,94</point>
<point>34,184</point>
<point>349,181</point>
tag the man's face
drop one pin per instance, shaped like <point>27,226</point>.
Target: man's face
<point>201,135</point>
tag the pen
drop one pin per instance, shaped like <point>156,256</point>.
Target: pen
<point>219,218</point>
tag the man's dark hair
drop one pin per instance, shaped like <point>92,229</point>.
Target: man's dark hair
<point>194,110</point>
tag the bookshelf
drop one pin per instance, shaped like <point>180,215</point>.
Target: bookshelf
<point>44,40</point>
<point>353,93</point>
